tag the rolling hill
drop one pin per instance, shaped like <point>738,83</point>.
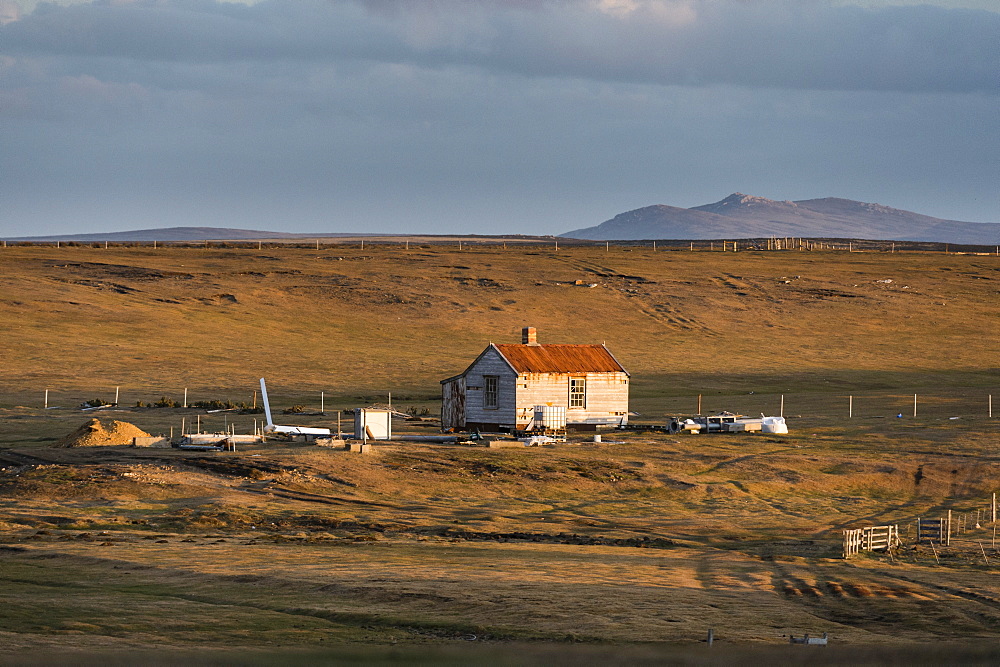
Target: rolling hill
<point>363,322</point>
<point>167,234</point>
<point>746,216</point>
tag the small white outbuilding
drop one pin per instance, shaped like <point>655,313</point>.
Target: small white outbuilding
<point>501,388</point>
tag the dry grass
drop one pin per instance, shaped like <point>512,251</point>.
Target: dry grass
<point>83,319</point>
<point>655,539</point>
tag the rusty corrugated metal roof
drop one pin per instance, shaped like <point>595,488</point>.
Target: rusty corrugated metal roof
<point>560,358</point>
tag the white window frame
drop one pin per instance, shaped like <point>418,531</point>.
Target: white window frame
<point>578,393</point>
<point>491,392</point>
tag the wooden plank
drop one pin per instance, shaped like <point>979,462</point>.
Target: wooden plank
<point>870,538</point>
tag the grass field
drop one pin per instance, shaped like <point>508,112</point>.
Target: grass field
<point>350,322</point>
<point>627,551</point>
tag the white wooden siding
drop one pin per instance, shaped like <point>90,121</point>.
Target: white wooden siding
<point>491,363</point>
<point>607,396</point>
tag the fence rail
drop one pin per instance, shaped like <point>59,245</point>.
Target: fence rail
<point>870,538</point>
<point>937,531</point>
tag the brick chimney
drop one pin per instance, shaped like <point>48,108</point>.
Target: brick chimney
<point>528,336</point>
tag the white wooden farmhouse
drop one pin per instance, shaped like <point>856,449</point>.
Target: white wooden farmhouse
<point>500,389</point>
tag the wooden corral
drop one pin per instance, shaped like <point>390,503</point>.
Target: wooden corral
<point>870,538</point>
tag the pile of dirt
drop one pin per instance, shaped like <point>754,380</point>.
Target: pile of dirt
<point>95,434</point>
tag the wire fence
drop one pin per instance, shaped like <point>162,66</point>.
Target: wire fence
<point>945,405</point>
<point>492,244</point>
<point>950,405</point>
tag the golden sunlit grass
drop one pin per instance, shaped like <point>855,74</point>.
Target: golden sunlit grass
<point>354,323</point>
<point>646,538</point>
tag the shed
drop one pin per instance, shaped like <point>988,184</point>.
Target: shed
<point>500,389</point>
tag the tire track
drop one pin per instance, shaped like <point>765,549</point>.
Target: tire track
<point>740,459</point>
<point>305,496</point>
<point>964,593</point>
<point>743,288</point>
<point>661,313</point>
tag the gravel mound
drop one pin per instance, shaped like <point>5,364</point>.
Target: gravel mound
<point>96,434</point>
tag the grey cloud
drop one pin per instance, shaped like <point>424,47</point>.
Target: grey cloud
<point>696,42</point>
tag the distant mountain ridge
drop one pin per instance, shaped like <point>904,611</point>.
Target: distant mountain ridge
<point>747,216</point>
<point>178,234</point>
<point>734,217</point>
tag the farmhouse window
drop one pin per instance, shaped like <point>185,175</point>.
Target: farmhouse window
<point>490,391</point>
<point>578,392</point>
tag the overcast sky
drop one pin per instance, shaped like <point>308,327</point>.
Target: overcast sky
<point>486,116</point>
